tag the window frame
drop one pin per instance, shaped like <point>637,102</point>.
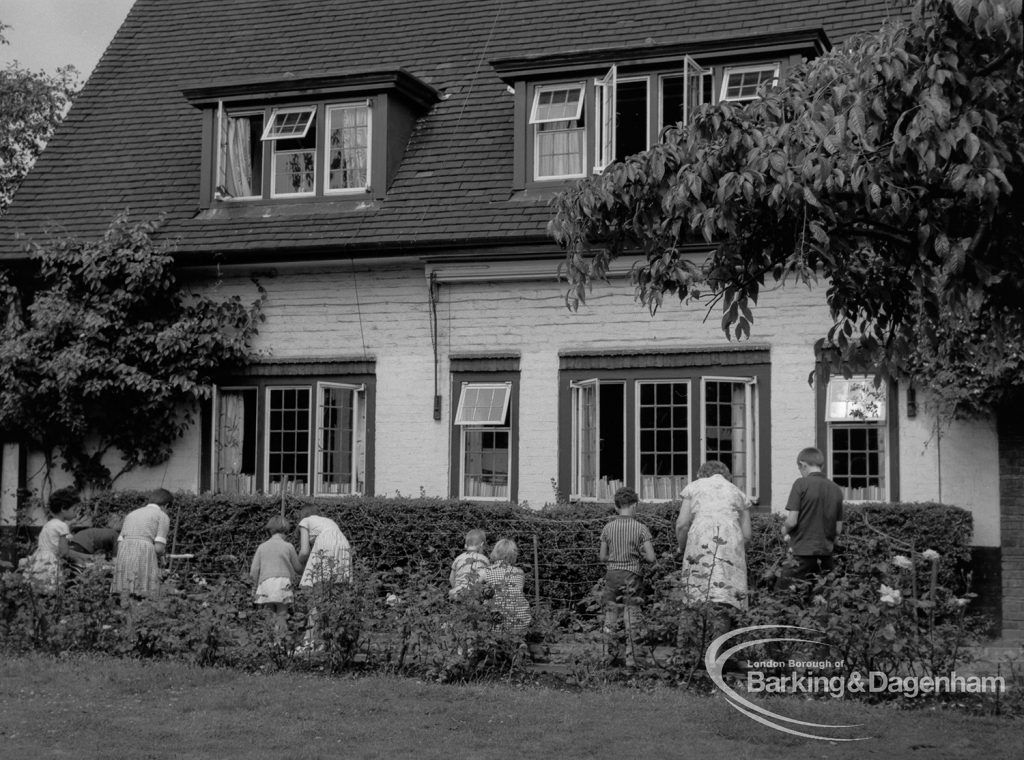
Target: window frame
<point>234,113</point>
<point>260,380</point>
<point>329,107</point>
<point>684,366</point>
<point>358,417</point>
<point>534,127</point>
<point>637,430</point>
<point>490,372</point>
<point>275,111</point>
<point>774,66</point>
<point>750,418</point>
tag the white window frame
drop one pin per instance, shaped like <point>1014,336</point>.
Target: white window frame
<point>535,122</point>
<point>217,163</point>
<point>750,420</point>
<point>604,119</point>
<point>326,179</point>
<point>575,388</point>
<point>692,73</point>
<point>506,387</point>
<point>834,422</point>
<point>269,134</point>
<point>493,424</point>
<point>688,382</point>
<point>358,402</point>
<point>730,70</point>
<point>266,431</point>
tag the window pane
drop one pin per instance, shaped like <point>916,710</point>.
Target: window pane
<point>349,147</point>
<point>725,434</point>
<point>631,135</point>
<point>289,124</point>
<point>560,148</point>
<point>295,164</point>
<point>744,85</point>
<point>485,464</point>
<point>557,104</point>
<point>663,439</point>
<point>483,404</point>
<point>288,446</point>
<point>235,446</point>
<point>855,399</point>
<point>858,457</point>
<point>241,156</point>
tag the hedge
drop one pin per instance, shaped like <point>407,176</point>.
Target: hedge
<point>222,531</point>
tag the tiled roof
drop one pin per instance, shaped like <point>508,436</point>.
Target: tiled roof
<point>133,141</point>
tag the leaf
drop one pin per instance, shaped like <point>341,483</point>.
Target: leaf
<point>810,197</point>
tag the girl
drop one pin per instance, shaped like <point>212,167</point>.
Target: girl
<point>275,566</point>
<point>44,567</point>
<point>322,543</point>
<point>507,581</point>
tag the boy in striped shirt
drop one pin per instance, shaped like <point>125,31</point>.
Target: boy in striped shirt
<point>625,543</point>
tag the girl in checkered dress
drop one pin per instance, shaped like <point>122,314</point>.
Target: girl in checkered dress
<point>507,581</point>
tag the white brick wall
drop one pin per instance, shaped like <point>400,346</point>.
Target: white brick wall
<point>383,312</point>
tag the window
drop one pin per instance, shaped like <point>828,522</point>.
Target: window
<point>485,448</point>
<point>649,421</point>
<point>559,131</point>
<point>743,83</point>
<point>682,94</point>
<point>302,159</point>
<point>305,437</point>
<point>855,414</point>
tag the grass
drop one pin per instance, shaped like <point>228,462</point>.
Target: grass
<point>91,708</point>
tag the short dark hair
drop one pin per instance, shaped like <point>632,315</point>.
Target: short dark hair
<point>626,497</point>
<point>63,498</point>
<point>160,496</point>
<point>811,456</point>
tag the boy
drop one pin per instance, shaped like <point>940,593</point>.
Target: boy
<point>625,542</point>
<point>466,567</point>
<point>814,517</point>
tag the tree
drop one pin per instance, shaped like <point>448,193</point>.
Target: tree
<point>887,166</point>
<point>32,104</point>
<point>111,353</point>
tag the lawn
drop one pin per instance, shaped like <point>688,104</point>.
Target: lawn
<point>103,708</point>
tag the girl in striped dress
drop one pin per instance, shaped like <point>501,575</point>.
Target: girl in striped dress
<point>322,543</point>
<point>44,567</point>
<point>143,539</point>
<point>507,581</point>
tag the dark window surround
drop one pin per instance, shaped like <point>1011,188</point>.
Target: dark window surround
<point>750,360</point>
<point>262,376</point>
<point>480,368</point>
<point>892,423</point>
<point>523,75</point>
<point>396,98</point>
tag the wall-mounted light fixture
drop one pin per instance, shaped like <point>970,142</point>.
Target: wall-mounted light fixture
<point>911,402</point>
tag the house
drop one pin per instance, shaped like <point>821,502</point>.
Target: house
<point>384,171</point>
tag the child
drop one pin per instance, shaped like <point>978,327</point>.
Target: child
<point>275,566</point>
<point>625,541</point>
<point>467,566</point>
<point>507,581</point>
<point>43,567</point>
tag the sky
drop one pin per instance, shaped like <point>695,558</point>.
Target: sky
<point>47,34</point>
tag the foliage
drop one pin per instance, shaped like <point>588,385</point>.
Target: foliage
<point>32,104</point>
<point>887,165</point>
<point>105,351</point>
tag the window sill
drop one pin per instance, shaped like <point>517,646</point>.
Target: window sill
<point>306,206</point>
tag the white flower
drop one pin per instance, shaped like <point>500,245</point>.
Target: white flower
<point>962,601</point>
<point>931,555</point>
<point>819,600</point>
<point>890,595</point>
<point>392,600</point>
<point>903,561</point>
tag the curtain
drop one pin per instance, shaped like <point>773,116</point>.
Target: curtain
<point>236,157</point>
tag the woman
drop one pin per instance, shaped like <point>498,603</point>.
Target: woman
<point>712,530</point>
<point>322,543</point>
<point>143,539</point>
<point>507,581</point>
<point>44,568</point>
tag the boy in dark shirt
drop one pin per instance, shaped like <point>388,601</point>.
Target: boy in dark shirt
<point>814,518</point>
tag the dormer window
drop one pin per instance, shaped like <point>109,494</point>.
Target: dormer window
<point>331,137</point>
<point>742,84</point>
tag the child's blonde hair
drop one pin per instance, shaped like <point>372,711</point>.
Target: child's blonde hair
<point>476,539</point>
<point>277,524</point>
<point>505,551</point>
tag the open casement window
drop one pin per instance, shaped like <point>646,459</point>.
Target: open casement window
<point>485,451</point>
<point>235,413</point>
<point>855,416</point>
<point>598,439</point>
<point>728,431</point>
<point>683,93</point>
<point>239,168</point>
<point>663,438</point>
<point>604,95</point>
<point>556,117</point>
<point>741,84</point>
<point>340,439</point>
